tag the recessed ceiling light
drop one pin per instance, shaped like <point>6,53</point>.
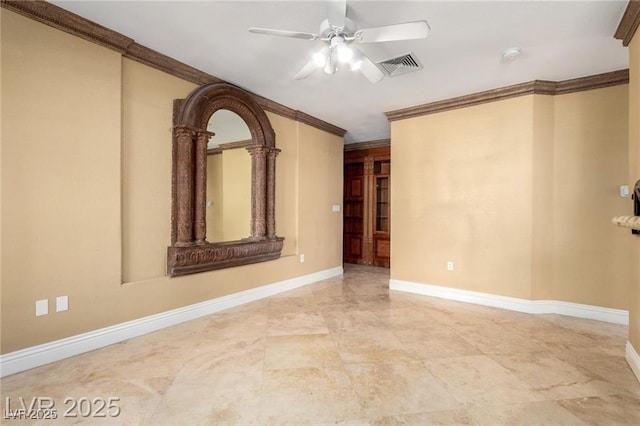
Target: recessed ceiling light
<point>511,53</point>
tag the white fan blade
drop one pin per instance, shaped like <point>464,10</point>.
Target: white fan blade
<point>306,71</point>
<point>366,66</point>
<point>284,33</point>
<point>405,31</point>
<point>337,11</point>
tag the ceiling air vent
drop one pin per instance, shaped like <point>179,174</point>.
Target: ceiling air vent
<point>400,64</point>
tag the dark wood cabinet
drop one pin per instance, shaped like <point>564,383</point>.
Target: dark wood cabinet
<point>367,176</point>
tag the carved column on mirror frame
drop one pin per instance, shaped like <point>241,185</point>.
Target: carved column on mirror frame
<point>272,153</point>
<point>258,191</point>
<point>184,182</point>
<point>200,180</point>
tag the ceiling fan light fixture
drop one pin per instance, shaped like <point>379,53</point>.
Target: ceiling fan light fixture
<point>320,58</point>
<point>344,53</point>
<point>342,50</point>
<point>330,65</point>
<point>341,37</point>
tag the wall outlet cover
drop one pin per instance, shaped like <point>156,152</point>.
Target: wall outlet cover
<point>42,307</point>
<point>62,303</point>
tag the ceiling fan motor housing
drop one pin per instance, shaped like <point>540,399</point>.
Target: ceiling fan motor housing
<point>329,31</point>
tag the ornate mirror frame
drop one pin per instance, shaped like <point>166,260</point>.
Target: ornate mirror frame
<point>189,251</point>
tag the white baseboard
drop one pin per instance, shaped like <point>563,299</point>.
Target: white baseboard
<point>25,359</point>
<point>616,316</point>
<point>633,359</point>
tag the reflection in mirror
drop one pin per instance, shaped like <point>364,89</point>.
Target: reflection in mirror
<point>228,178</point>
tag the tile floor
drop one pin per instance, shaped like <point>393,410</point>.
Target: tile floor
<point>348,351</point>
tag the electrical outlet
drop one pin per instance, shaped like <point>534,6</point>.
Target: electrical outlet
<point>336,208</point>
<point>42,307</point>
<point>449,266</point>
<point>62,303</point>
<point>302,258</point>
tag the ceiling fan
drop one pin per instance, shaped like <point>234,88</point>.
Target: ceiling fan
<point>340,33</point>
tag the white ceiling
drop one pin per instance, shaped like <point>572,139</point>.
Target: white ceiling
<point>559,40</point>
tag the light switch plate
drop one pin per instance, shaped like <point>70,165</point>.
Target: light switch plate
<point>336,207</point>
<point>624,191</point>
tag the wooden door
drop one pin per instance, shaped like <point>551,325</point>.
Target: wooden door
<point>367,175</point>
<point>353,212</point>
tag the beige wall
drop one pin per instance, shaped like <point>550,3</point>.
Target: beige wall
<point>462,193</point>
<point>519,197</point>
<point>634,175</point>
<point>86,172</point>
<point>319,188</point>
<point>60,180</point>
<point>542,198</point>
<point>591,257</point>
<point>147,108</point>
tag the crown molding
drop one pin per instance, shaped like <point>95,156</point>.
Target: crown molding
<point>536,87</point>
<point>629,22</point>
<point>63,20</point>
<point>319,124</point>
<point>598,81</point>
<point>379,143</point>
<point>144,55</point>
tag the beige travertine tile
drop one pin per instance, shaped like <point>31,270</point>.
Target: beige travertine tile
<point>612,369</point>
<point>408,317</point>
<point>403,387</point>
<point>552,377</point>
<point>288,305</point>
<point>453,417</point>
<point>328,289</point>
<point>605,410</point>
<point>479,380</point>
<point>439,343</point>
<point>367,288</point>
<point>232,326</point>
<point>312,350</point>
<point>348,351</point>
<point>308,396</point>
<point>351,321</point>
<point>535,413</point>
<point>296,323</point>
<point>218,398</point>
<point>226,356</point>
<point>370,346</point>
<point>337,303</point>
<point>496,339</point>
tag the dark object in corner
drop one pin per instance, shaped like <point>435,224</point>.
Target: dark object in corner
<point>636,203</point>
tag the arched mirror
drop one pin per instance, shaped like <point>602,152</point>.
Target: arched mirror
<point>228,177</point>
<point>216,221</point>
